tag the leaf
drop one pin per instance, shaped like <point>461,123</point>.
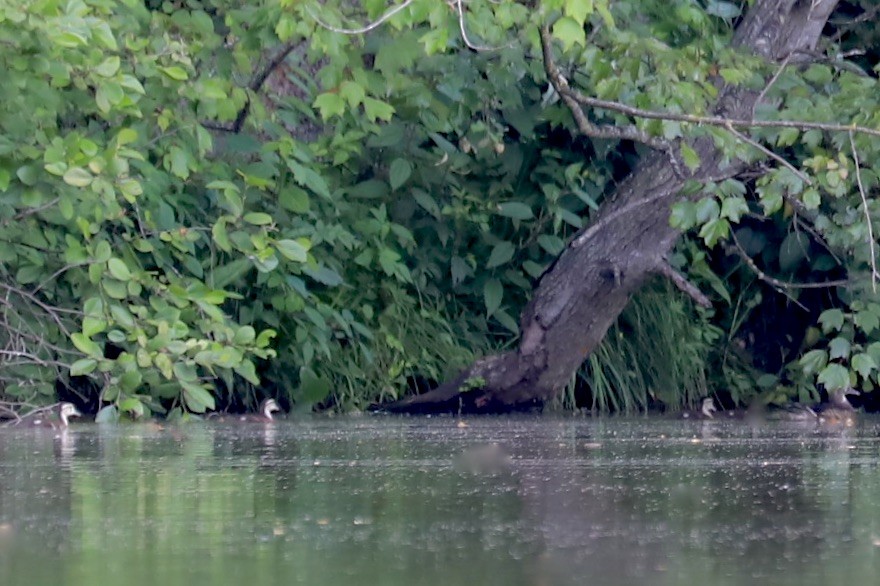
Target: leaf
<point>86,346</point>
<point>118,269</point>
<point>838,348</point>
<point>835,377</point>
<point>78,177</point>
<point>515,210</point>
<point>733,208</point>
<point>92,326</point>
<point>312,388</point>
<point>174,72</point>
<point>248,372</point>
<point>258,218</point>
<point>493,292</point>
<point>831,319</point>
<point>197,399</point>
<point>83,366</point>
<point>567,30</point>
<point>377,109</point>
<point>813,361</point>
<point>723,9</point>
<point>292,250</point>
<point>579,10</point>
<point>690,157</point>
<point>329,105</point>
<point>864,364</point>
<point>352,92</point>
<point>107,414</point>
<point>501,254</point>
<point>399,172</point>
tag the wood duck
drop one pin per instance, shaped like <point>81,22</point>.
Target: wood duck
<point>707,408</point>
<point>55,418</point>
<point>264,414</point>
<point>838,410</point>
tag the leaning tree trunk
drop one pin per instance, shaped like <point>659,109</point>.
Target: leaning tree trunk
<point>583,293</point>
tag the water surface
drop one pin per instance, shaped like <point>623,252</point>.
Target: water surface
<point>441,501</point>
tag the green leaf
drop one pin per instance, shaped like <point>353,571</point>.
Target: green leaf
<point>78,177</point>
<point>830,320</point>
<point>258,218</point>
<point>813,361</point>
<point>352,92</point>
<point>690,157</point>
<point>570,32</point>
<point>92,326</point>
<point>86,346</point>
<point>733,208</point>
<point>838,348</point>
<point>399,172</point>
<point>174,72</point>
<point>493,292</point>
<point>197,399</point>
<point>579,10</point>
<point>515,210</point>
<point>293,250</point>
<point>864,364</point>
<point>312,388</point>
<point>329,105</point>
<point>377,109</point>
<point>835,377</point>
<point>107,414</point>
<point>118,269</point>
<point>501,254</point>
<point>83,366</point>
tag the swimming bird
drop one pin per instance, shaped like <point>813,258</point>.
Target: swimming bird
<point>264,413</point>
<point>838,410</point>
<point>707,408</point>
<point>56,417</point>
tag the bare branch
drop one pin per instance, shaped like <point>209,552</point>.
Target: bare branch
<point>464,36</point>
<point>772,81</point>
<point>769,153</point>
<point>364,29</point>
<point>257,80</point>
<point>871,243</point>
<point>685,286</point>
<point>777,283</point>
<point>569,96</point>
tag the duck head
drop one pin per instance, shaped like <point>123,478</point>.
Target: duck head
<point>66,411</point>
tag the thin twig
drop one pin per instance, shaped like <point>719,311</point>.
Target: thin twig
<point>852,144</point>
<point>769,153</point>
<point>772,81</point>
<point>560,85</point>
<point>777,283</point>
<point>364,29</point>
<point>464,35</point>
<point>685,286</point>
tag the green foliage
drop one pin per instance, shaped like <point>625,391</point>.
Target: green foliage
<point>182,225</point>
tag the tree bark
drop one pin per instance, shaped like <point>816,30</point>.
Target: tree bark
<point>582,294</point>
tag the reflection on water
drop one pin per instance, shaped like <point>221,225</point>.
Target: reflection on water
<point>390,501</point>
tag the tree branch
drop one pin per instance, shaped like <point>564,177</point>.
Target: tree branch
<point>569,96</point>
<point>257,80</point>
<point>665,269</point>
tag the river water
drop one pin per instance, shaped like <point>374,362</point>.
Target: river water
<point>441,501</point>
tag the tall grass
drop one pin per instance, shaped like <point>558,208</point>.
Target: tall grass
<point>658,353</point>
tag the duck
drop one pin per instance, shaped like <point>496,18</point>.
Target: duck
<point>707,408</point>
<point>58,417</point>
<point>838,410</point>
<point>264,412</point>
